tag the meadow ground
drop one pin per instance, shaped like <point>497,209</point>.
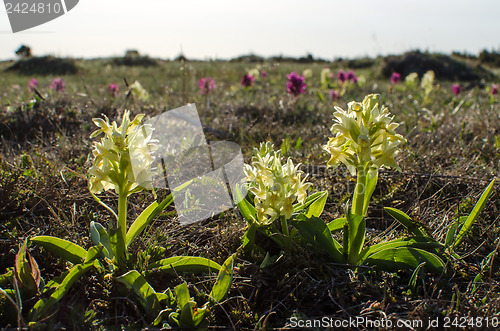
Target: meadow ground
<point>453,152</point>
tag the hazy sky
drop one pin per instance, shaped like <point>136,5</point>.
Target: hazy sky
<point>209,29</point>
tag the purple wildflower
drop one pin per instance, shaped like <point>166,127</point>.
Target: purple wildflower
<point>57,84</point>
<point>334,94</point>
<point>32,84</point>
<point>351,76</point>
<point>113,89</point>
<point>263,74</point>
<point>247,80</point>
<point>456,89</point>
<point>296,84</point>
<point>494,89</point>
<point>341,75</point>
<point>395,78</point>
<point>206,85</point>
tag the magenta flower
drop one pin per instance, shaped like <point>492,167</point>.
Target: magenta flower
<point>113,89</point>
<point>263,74</point>
<point>57,84</point>
<point>296,84</point>
<point>334,94</point>
<point>395,78</point>
<point>341,75</point>
<point>494,89</point>
<point>247,80</point>
<point>32,84</point>
<point>456,89</point>
<point>206,85</point>
<point>351,76</point>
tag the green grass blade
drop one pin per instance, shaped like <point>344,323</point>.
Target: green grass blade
<point>147,295</point>
<point>405,258</point>
<point>404,219</point>
<point>224,280</point>
<point>186,264</point>
<point>62,248</point>
<point>474,213</point>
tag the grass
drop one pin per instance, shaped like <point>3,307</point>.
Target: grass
<point>450,158</point>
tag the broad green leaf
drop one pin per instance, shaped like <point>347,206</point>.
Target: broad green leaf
<point>147,295</point>
<point>309,200</point>
<point>60,289</point>
<point>356,237</point>
<point>117,244</point>
<point>191,316</point>
<point>99,235</point>
<point>246,209</point>
<point>182,295</point>
<point>62,248</point>
<point>474,213</point>
<point>404,219</point>
<point>337,224</point>
<point>316,232</point>
<point>186,264</point>
<point>478,280</point>
<point>371,183</point>
<point>152,211</point>
<point>223,282</point>
<point>317,206</point>
<point>93,252</point>
<point>141,222</point>
<point>248,239</point>
<point>404,258</point>
<point>415,242</point>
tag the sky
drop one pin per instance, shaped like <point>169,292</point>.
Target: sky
<point>223,29</point>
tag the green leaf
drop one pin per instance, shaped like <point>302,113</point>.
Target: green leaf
<point>452,231</point>
<point>223,282</point>
<point>182,295</point>
<point>309,200</point>
<point>62,248</point>
<point>6,277</point>
<point>99,235</point>
<point>404,219</point>
<point>298,144</point>
<point>191,316</point>
<point>356,237</point>
<point>117,243</point>
<point>316,232</point>
<point>246,209</point>
<point>248,239</point>
<point>93,252</point>
<point>147,295</point>
<point>321,97</point>
<point>316,207</point>
<point>337,224</point>
<point>60,289</point>
<point>414,276</point>
<point>474,213</point>
<point>186,264</point>
<point>152,211</point>
<point>405,258</point>
<point>371,183</point>
<point>415,242</point>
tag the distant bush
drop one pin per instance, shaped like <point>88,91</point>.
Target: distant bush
<point>490,58</point>
<point>47,65</point>
<point>445,67</point>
